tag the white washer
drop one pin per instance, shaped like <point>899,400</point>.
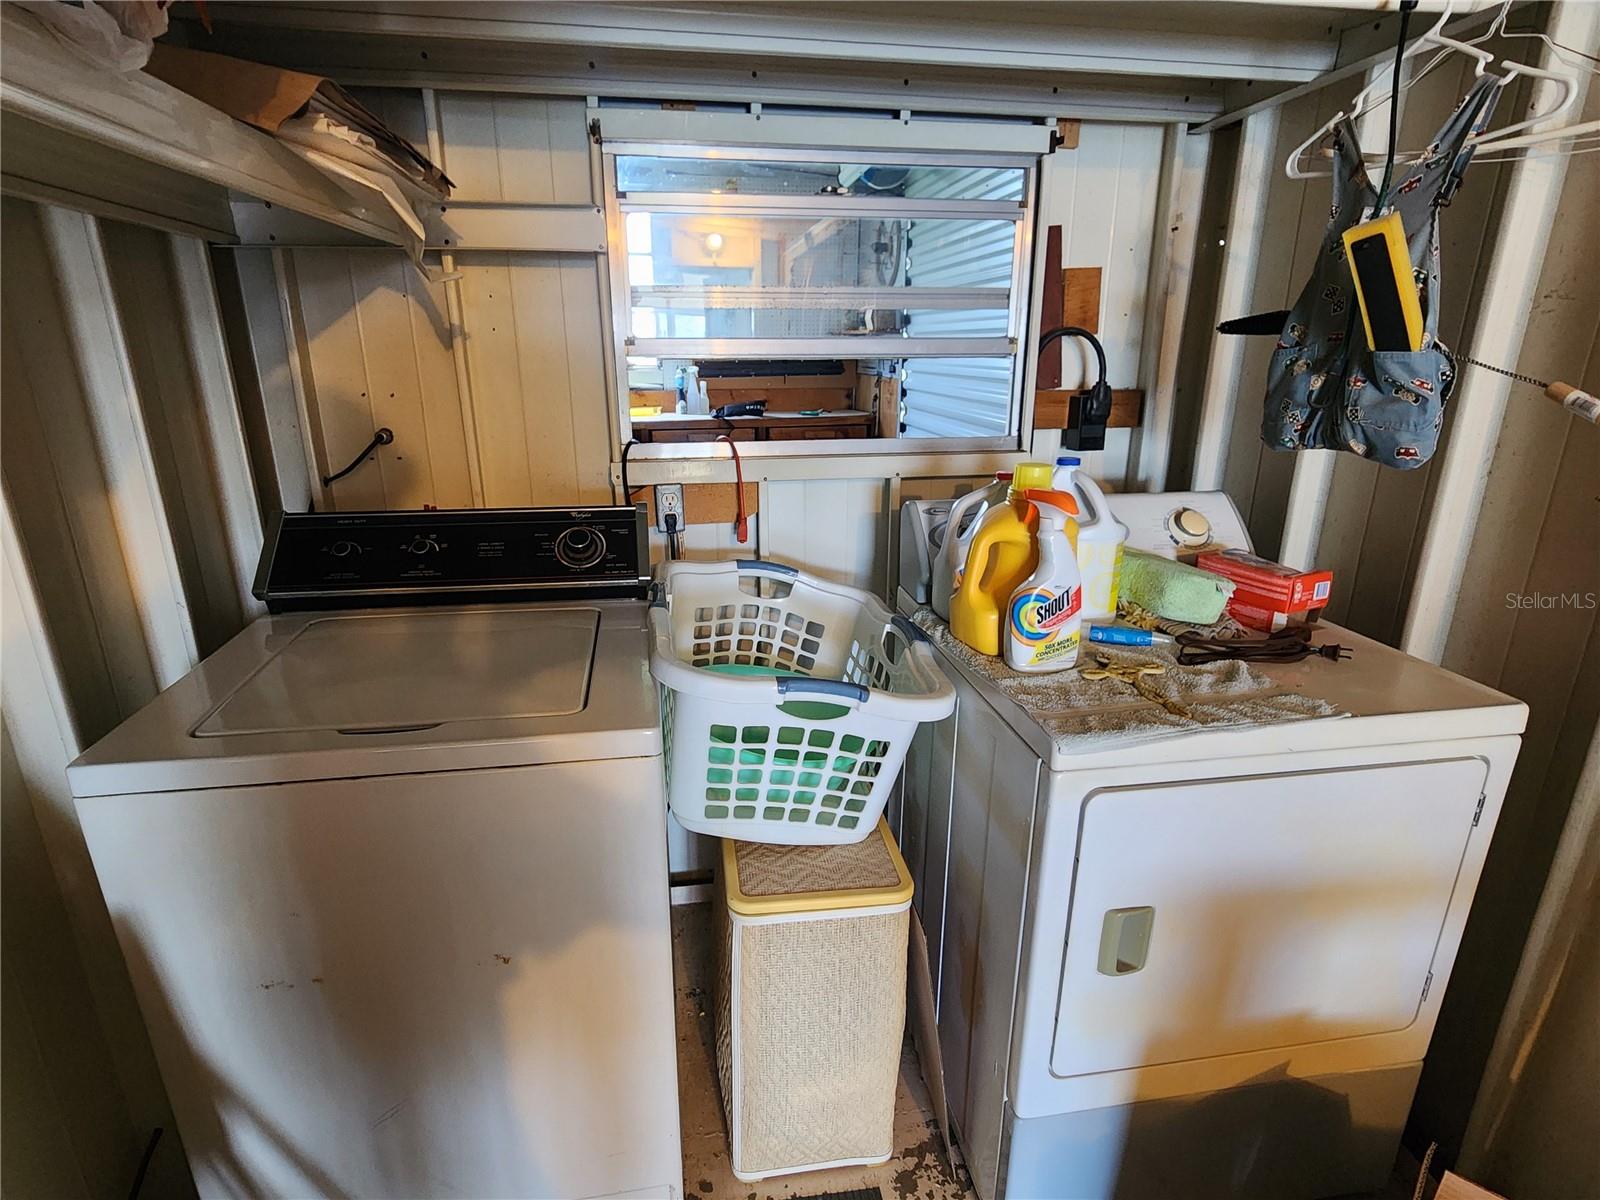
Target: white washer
<point>1207,966</point>
<point>392,883</point>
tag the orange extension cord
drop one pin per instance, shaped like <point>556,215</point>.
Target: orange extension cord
<point>741,522</point>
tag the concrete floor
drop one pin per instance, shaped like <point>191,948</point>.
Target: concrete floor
<point>919,1169</point>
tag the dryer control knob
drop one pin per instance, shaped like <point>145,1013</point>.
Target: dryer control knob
<point>1188,528</point>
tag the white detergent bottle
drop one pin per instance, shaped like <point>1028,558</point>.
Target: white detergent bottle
<point>951,560</point>
<point>1100,540</point>
<point>1044,621</point>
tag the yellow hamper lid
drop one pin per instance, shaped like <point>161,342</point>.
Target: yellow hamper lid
<point>764,881</point>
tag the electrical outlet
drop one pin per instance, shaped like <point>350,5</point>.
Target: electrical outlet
<point>669,499</point>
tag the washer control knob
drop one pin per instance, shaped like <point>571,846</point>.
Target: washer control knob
<point>580,546</point>
<point>1188,528</point>
<point>340,549</point>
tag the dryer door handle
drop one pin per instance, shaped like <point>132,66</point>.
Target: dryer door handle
<point>1125,940</point>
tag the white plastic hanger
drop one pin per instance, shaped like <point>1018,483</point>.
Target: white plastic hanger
<point>1506,138</point>
<point>1563,54</point>
<point>1377,93</point>
<point>1499,145</point>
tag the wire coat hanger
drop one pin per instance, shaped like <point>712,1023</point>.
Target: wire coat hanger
<point>1511,137</point>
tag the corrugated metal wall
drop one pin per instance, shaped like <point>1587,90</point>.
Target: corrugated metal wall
<point>130,524</point>
<point>1528,623</point>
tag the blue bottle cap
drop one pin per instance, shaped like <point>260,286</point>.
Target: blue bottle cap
<point>1069,460</point>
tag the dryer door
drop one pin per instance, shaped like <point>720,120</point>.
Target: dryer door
<point>1226,916</point>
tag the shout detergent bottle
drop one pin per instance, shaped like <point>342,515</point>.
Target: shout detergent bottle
<point>1045,617</point>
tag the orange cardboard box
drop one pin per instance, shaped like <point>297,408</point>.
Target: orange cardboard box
<point>1269,595</point>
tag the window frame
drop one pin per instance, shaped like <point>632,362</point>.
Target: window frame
<point>1021,309</point>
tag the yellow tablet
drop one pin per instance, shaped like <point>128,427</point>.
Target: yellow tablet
<point>1385,286</point>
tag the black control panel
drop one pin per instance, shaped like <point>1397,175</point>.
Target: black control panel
<point>471,556</point>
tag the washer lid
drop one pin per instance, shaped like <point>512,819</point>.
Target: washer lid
<point>416,670</point>
<point>313,696</point>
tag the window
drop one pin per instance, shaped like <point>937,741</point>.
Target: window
<point>831,296</point>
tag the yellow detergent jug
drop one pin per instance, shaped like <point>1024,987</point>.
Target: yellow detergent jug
<point>1004,552</point>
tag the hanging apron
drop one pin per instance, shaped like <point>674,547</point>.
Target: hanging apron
<point>1326,389</point>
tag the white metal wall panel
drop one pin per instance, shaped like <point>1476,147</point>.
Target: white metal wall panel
<point>1104,196</point>
<point>515,149</point>
<point>958,397</point>
<point>110,582</point>
<point>60,495</point>
<point>149,298</point>
<point>266,358</point>
<point>835,528</point>
<point>381,347</point>
<point>67,997</point>
<point>221,419</point>
<point>708,543</point>
<point>97,336</point>
<point>1535,538</point>
<point>75,1142</point>
<point>378,345</point>
<point>535,354</point>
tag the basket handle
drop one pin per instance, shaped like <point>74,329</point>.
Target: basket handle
<point>765,565</point>
<point>908,629</point>
<point>840,689</point>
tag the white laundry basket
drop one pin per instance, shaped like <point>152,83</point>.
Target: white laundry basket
<point>788,701</point>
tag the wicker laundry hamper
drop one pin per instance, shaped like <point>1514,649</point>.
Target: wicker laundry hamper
<point>811,1002</point>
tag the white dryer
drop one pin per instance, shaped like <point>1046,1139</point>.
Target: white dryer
<point>1208,966</point>
<point>391,882</point>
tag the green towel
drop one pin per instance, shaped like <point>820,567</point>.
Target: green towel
<point>808,710</point>
<point>748,669</point>
<point>1172,590</point>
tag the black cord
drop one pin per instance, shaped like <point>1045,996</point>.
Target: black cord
<point>627,492</point>
<point>674,546</point>
<point>1089,412</point>
<point>1074,331</point>
<point>1394,97</point>
<point>380,437</point>
<point>1285,646</point>
<point>144,1163</point>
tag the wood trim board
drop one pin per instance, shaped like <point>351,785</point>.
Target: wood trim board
<point>1050,408</point>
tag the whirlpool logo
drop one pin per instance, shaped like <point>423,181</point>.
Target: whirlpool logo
<point>1036,615</point>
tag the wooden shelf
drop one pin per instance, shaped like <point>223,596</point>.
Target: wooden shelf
<point>774,427</point>
<point>136,149</point>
